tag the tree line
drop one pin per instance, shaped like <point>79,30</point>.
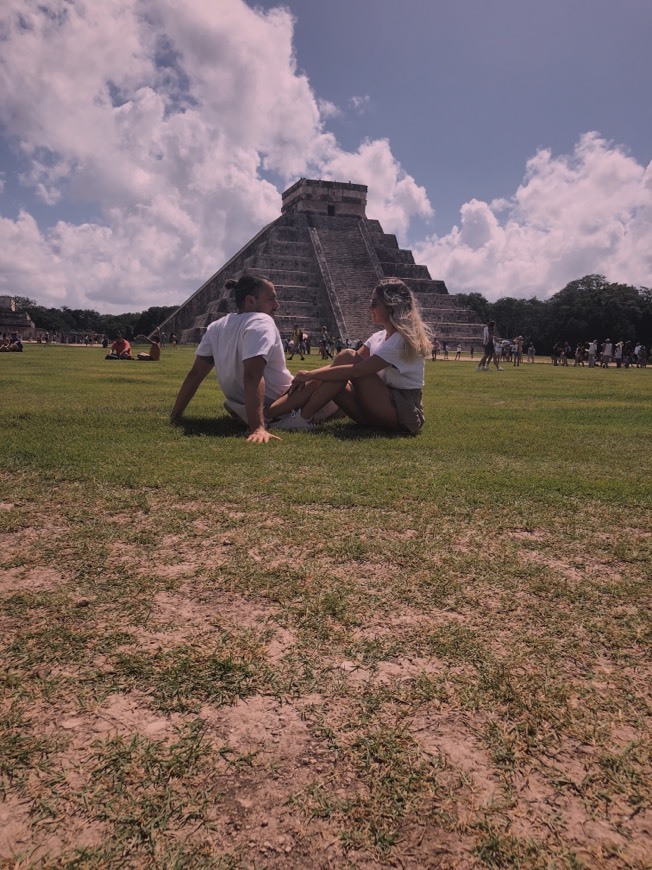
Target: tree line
<point>86,321</point>
<point>586,309</point>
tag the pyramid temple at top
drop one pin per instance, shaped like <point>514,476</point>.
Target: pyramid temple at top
<point>324,256</point>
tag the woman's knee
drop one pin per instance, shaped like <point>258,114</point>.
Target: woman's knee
<point>346,357</point>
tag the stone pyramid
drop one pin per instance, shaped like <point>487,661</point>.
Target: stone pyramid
<point>324,257</point>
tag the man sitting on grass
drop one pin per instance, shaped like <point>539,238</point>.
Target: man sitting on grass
<point>120,349</point>
<point>246,351</point>
<point>154,350</point>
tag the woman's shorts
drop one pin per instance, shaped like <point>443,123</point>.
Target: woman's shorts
<point>409,409</point>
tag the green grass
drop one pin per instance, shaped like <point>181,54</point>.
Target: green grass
<point>429,651</point>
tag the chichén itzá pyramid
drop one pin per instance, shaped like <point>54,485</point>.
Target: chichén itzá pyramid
<point>324,256</point>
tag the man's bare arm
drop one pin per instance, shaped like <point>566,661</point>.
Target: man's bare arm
<point>254,392</point>
<point>201,367</point>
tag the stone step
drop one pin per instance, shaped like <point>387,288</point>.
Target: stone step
<point>288,234</point>
<point>300,250</point>
<point>267,263</point>
<point>393,255</point>
<point>406,271</point>
<point>293,277</point>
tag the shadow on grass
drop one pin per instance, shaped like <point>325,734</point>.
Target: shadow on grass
<point>350,431</point>
<point>217,427</point>
<point>225,427</point>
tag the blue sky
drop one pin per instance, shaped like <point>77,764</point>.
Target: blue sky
<point>144,141</point>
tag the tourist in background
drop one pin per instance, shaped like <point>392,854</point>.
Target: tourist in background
<point>489,349</point>
<point>13,344</point>
<point>296,342</point>
<point>120,349</point>
<point>154,354</point>
<point>607,351</point>
<point>325,344</point>
<point>618,354</point>
<point>593,349</point>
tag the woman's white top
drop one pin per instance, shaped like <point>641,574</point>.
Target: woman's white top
<point>401,373</point>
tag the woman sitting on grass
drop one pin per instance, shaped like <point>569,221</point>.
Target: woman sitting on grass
<point>379,384</point>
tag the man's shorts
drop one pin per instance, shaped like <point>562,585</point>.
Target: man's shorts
<point>489,348</point>
<point>409,409</point>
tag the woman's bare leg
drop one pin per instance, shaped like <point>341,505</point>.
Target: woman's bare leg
<point>365,400</point>
<point>374,398</point>
<point>292,401</point>
<point>314,395</point>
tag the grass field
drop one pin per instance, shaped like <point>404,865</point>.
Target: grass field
<point>337,650</point>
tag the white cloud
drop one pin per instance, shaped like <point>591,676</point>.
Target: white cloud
<point>589,212</point>
<point>360,104</point>
<point>394,197</point>
<point>161,116</point>
<point>328,109</point>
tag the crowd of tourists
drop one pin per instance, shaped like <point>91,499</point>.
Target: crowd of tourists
<point>622,354</point>
<point>300,342</point>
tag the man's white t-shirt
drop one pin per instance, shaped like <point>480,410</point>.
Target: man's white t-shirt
<point>401,373</point>
<point>237,337</point>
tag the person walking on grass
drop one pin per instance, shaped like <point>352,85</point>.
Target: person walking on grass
<point>380,384</point>
<point>297,342</point>
<point>489,348</point>
<point>607,350</point>
<point>592,351</point>
<point>325,343</point>
<point>618,354</point>
<point>458,352</point>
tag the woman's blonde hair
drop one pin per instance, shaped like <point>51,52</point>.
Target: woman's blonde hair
<point>405,316</point>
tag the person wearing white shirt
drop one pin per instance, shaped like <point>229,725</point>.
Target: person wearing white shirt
<point>380,384</point>
<point>246,351</point>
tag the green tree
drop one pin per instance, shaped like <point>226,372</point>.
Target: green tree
<point>112,324</point>
<point>518,317</point>
<point>476,302</point>
<point>150,319</point>
<point>593,308</point>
